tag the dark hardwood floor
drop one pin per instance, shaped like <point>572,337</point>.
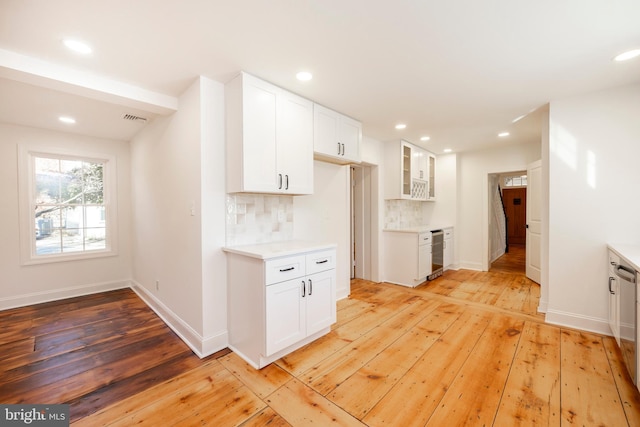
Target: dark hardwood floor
<point>88,352</point>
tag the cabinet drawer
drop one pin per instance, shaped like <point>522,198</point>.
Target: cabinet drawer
<point>281,269</point>
<point>424,239</point>
<point>321,261</point>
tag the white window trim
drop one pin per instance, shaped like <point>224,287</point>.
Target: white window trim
<point>26,153</point>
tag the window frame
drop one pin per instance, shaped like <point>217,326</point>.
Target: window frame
<point>26,189</point>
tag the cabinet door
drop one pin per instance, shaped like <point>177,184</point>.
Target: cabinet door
<point>285,314</point>
<point>432,177</point>
<point>295,144</point>
<point>350,136</point>
<point>320,300</point>
<point>424,261</point>
<point>325,132</point>
<point>259,135</point>
<point>406,160</point>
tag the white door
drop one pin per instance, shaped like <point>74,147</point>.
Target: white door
<point>534,221</point>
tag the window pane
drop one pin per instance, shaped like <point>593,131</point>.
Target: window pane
<point>72,240</point>
<point>72,187</point>
<point>94,216</point>
<point>94,183</point>
<point>95,238</point>
<point>47,180</point>
<point>49,244</point>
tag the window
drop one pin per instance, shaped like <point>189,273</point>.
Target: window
<point>515,181</point>
<point>67,206</point>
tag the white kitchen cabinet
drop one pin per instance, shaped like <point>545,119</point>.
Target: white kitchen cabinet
<point>431,180</point>
<point>336,137</point>
<point>407,171</point>
<point>614,297</point>
<point>269,138</point>
<point>279,299</point>
<point>407,257</point>
<point>448,248</point>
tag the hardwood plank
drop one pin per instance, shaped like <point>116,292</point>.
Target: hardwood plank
<point>629,394</point>
<point>474,396</point>
<point>380,374</point>
<point>532,393</point>
<point>299,405</point>
<point>262,382</point>
<point>266,417</point>
<point>589,395</point>
<point>327,375</point>
<point>424,385</point>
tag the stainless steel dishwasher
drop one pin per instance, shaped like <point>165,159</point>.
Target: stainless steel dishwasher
<point>628,316</point>
<point>437,254</point>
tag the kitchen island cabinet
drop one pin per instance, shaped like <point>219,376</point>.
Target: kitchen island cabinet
<point>281,296</point>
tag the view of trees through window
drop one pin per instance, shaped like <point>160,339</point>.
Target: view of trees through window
<point>69,205</point>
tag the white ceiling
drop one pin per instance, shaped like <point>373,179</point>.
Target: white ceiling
<point>459,70</point>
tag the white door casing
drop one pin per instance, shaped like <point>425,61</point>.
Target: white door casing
<point>534,221</point>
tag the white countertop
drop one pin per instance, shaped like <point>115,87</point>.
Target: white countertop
<point>631,253</point>
<point>278,249</point>
<point>420,229</point>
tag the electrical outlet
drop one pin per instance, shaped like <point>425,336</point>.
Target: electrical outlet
<point>157,285</point>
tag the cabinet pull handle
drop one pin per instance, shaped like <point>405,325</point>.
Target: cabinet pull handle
<point>310,287</point>
<point>304,289</point>
<point>338,148</point>
<point>611,291</point>
<point>279,181</point>
<point>282,270</point>
<point>322,262</point>
<point>286,180</point>
<point>343,149</point>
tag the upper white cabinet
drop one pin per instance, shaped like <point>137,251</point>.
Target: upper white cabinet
<point>409,172</point>
<point>336,137</point>
<point>269,138</point>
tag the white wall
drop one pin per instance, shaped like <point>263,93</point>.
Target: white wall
<point>593,200</point>
<point>324,217</point>
<point>178,212</point>
<point>372,153</point>
<point>473,197</point>
<point>23,285</point>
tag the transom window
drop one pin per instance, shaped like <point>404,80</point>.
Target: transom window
<point>68,204</point>
<point>515,181</point>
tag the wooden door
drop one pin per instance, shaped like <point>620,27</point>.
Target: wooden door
<point>515,203</point>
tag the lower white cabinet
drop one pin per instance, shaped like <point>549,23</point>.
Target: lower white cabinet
<point>278,303</point>
<point>447,248</point>
<point>298,308</point>
<point>407,257</point>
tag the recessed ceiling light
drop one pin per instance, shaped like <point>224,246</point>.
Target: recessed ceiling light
<point>425,138</point>
<point>66,119</point>
<point>77,46</point>
<point>625,56</point>
<point>503,134</point>
<point>401,126</point>
<point>447,150</point>
<point>304,76</point>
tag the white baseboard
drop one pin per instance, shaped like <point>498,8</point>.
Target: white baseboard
<point>576,321</point>
<point>60,294</point>
<point>471,265</point>
<point>200,345</point>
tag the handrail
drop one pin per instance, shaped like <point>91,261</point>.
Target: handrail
<point>506,221</point>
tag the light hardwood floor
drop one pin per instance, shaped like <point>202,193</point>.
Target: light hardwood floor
<point>465,349</point>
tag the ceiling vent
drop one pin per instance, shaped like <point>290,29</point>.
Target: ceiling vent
<point>134,118</point>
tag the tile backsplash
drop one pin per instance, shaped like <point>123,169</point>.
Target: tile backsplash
<point>399,214</point>
<point>258,218</point>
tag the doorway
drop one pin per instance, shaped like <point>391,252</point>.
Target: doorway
<point>515,206</point>
<point>364,222</point>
